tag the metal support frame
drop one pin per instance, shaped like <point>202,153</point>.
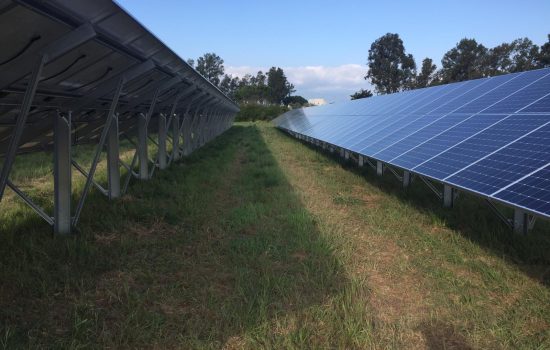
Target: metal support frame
<point>20,124</point>
<point>103,138</point>
<point>379,168</point>
<point>392,170</point>
<point>162,142</point>
<point>448,196</point>
<point>523,221</point>
<point>142,150</point>
<point>175,138</point>
<point>342,152</point>
<point>346,154</point>
<point>85,174</point>
<point>432,187</point>
<point>361,161</point>
<point>62,175</point>
<point>113,156</point>
<point>406,179</point>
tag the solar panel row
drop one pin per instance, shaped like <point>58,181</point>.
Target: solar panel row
<point>75,72</point>
<point>489,136</point>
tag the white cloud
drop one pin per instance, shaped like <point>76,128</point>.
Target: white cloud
<point>333,83</point>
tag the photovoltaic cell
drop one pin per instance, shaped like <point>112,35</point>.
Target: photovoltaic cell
<point>489,136</point>
<point>526,155</point>
<point>533,192</point>
<point>507,130</point>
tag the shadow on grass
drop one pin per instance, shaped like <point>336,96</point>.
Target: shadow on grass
<point>215,251</point>
<point>470,216</point>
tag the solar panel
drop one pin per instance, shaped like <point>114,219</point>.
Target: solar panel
<point>77,72</point>
<point>487,136</point>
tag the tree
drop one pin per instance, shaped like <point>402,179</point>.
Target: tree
<point>426,75</point>
<point>211,67</point>
<point>229,86</point>
<point>390,68</point>
<point>544,55</point>
<point>278,85</point>
<point>191,62</point>
<point>463,62</point>
<point>518,56</point>
<point>361,94</point>
<point>295,101</point>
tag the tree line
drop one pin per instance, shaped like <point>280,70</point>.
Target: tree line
<point>267,88</point>
<point>392,69</point>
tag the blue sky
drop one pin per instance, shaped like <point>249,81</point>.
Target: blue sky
<point>323,45</point>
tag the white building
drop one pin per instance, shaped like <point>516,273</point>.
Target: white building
<point>317,101</point>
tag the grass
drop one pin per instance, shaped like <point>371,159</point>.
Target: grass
<point>258,241</point>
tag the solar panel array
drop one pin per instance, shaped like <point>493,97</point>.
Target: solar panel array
<point>488,136</point>
<point>77,72</point>
<point>90,46</point>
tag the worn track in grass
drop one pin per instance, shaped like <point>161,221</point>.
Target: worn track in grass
<point>258,241</point>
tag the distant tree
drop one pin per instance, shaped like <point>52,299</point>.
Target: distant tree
<point>211,67</point>
<point>191,62</point>
<point>390,68</point>
<point>544,54</point>
<point>229,85</point>
<point>361,94</point>
<point>426,75</point>
<point>463,62</point>
<point>518,56</point>
<point>524,55</point>
<point>278,85</point>
<point>295,101</point>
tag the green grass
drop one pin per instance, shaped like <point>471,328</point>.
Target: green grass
<point>258,241</point>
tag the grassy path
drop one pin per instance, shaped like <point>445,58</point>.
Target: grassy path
<point>257,241</point>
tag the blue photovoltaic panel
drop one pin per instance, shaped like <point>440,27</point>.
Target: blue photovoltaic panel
<point>416,150</point>
<point>507,130</point>
<point>489,136</point>
<point>497,170</point>
<point>532,192</point>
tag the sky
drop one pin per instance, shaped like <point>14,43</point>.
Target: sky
<point>323,45</point>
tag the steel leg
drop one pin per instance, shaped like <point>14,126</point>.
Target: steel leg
<point>142,148</point>
<point>162,142</point>
<point>379,168</point>
<point>448,196</point>
<point>113,166</point>
<point>406,179</point>
<point>62,175</point>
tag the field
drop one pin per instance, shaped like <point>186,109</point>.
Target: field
<point>260,241</point>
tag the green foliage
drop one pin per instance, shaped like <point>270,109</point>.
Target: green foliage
<point>426,75</point>
<point>361,94</point>
<point>390,68</point>
<point>278,85</point>
<point>253,112</point>
<point>544,54</point>
<point>463,62</point>
<point>295,101</point>
<point>211,67</point>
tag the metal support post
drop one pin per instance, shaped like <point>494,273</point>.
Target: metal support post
<point>162,142</point>
<point>448,196</point>
<point>175,137</point>
<point>101,144</point>
<point>521,222</point>
<point>113,166</point>
<point>62,175</point>
<point>406,178</point>
<point>346,154</point>
<point>361,161</point>
<point>342,152</point>
<point>142,148</point>
<point>379,168</point>
<point>20,124</point>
